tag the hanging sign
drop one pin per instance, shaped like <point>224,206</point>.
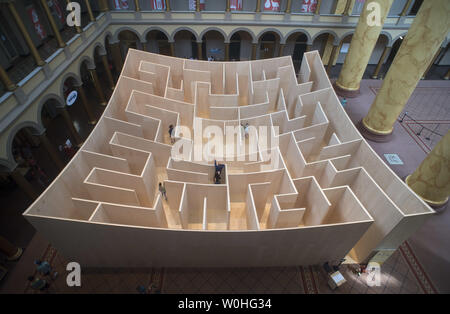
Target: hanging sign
<point>34,17</point>
<point>309,6</point>
<point>272,5</point>
<point>236,5</point>
<point>121,4</point>
<point>158,5</point>
<point>72,98</point>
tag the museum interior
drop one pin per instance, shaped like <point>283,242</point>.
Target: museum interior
<point>350,196</point>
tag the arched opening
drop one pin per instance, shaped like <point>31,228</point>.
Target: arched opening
<point>91,77</point>
<point>185,45</point>
<point>56,128</point>
<point>324,44</point>
<point>296,46</point>
<point>268,45</point>
<point>128,40</point>
<point>213,45</point>
<point>157,42</point>
<point>378,57</point>
<point>103,68</point>
<point>415,7</point>
<point>438,67</point>
<point>33,162</point>
<point>241,46</point>
<point>393,53</point>
<point>115,72</point>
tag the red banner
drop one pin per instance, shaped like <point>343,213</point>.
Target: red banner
<point>121,4</point>
<point>34,17</point>
<point>158,5</point>
<point>272,5</point>
<point>309,6</point>
<point>236,5</point>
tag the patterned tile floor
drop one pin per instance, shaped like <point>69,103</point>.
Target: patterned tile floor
<point>396,277</point>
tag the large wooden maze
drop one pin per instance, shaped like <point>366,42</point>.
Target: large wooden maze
<point>314,191</point>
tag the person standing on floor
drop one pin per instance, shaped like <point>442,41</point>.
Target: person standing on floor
<point>162,190</point>
<point>43,268</point>
<point>172,138</point>
<point>246,130</point>
<point>38,283</point>
<point>217,177</point>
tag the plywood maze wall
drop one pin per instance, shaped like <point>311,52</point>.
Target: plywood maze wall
<point>328,194</point>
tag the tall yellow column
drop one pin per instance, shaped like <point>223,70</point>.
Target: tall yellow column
<point>55,29</point>
<point>23,184</point>
<point>349,7</point>
<point>288,6</point>
<point>427,32</point>
<point>9,85</point>
<point>86,106</point>
<point>332,56</point>
<point>447,76</point>
<point>199,51</point>
<point>227,9</point>
<point>254,51</point>
<point>363,41</point>
<point>52,152</point>
<point>227,51</point>
<point>103,4</point>
<point>136,4</point>
<point>319,2</point>
<point>341,6</point>
<point>167,5</point>
<point>12,252</point>
<point>26,36</point>
<point>431,180</point>
<point>380,62</point>
<point>98,87</point>
<point>88,6</point>
<point>172,49</point>
<point>116,56</point>
<point>406,7</point>
<point>258,6</point>
<point>280,53</point>
<point>108,71</point>
<point>71,127</point>
<point>197,5</point>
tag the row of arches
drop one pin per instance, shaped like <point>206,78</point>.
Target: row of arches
<point>242,44</point>
<point>255,38</point>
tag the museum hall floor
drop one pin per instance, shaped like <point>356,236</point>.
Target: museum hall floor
<point>420,265</point>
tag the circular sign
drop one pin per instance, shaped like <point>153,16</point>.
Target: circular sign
<point>71,98</point>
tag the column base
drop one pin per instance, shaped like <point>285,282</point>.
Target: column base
<point>345,92</point>
<point>16,256</point>
<point>438,207</point>
<point>371,136</point>
<point>11,87</point>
